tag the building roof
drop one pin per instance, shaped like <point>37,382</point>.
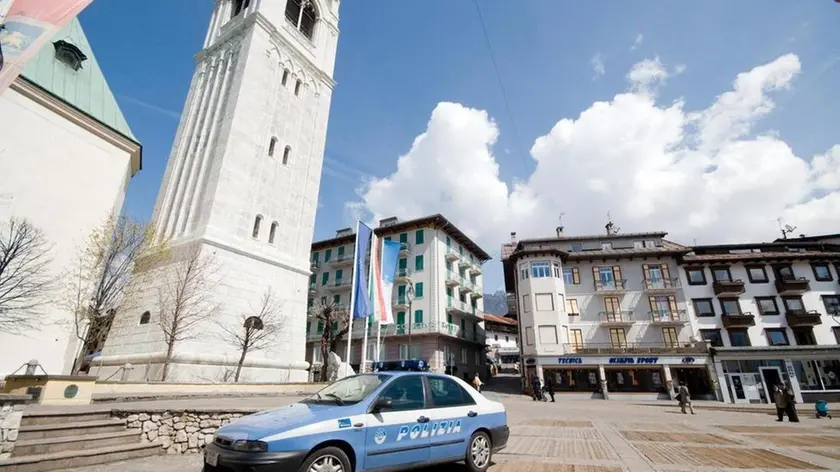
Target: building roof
<point>765,252</point>
<point>760,256</point>
<point>85,89</point>
<point>550,246</point>
<point>435,221</point>
<point>804,238</point>
<point>598,237</point>
<point>499,319</point>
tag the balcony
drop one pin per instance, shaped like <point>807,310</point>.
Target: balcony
<point>668,317</point>
<point>314,265</point>
<point>612,287</point>
<point>401,303</point>
<point>792,285</point>
<point>405,249</point>
<point>661,285</point>
<point>342,260</point>
<point>466,286</point>
<point>452,279</point>
<point>465,263</point>
<point>312,288</point>
<point>476,293</point>
<point>728,288</point>
<point>458,307</point>
<point>475,269</point>
<point>616,318</point>
<point>737,320</point>
<point>451,254</point>
<point>403,275</point>
<point>802,318</point>
<point>340,284</point>
<point>635,349</point>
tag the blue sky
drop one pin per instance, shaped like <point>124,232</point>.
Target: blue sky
<point>397,60</point>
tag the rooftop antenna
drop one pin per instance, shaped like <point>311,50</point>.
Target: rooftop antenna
<point>560,228</point>
<point>785,229</point>
<point>610,226</point>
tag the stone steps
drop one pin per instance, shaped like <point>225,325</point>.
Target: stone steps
<point>38,418</point>
<point>72,443</point>
<point>79,458</point>
<point>42,431</point>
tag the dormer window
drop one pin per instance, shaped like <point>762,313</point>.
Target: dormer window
<point>69,54</point>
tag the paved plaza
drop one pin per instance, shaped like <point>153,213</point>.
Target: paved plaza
<point>607,436</point>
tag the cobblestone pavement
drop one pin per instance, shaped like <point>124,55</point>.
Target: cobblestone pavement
<point>607,436</point>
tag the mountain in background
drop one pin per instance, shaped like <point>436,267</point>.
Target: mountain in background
<point>495,303</point>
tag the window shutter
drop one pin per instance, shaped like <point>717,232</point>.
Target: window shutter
<point>646,270</point>
<point>595,277</point>
<point>672,301</point>
<point>617,275</point>
<point>575,275</point>
<point>652,301</point>
<point>666,274</point>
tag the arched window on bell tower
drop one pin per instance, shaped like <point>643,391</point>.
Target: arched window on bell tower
<point>303,15</point>
<point>238,7</point>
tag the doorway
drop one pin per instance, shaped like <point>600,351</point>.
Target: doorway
<point>744,388</point>
<point>771,376</point>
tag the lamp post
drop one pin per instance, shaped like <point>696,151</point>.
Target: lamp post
<point>409,295</point>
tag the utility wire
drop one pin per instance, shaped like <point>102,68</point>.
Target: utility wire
<point>518,145</point>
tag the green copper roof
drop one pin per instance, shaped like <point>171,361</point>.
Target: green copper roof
<point>86,88</point>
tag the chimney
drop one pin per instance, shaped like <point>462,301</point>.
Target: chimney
<point>559,231</point>
<point>513,237</point>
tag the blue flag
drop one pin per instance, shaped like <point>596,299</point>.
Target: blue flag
<point>361,299</point>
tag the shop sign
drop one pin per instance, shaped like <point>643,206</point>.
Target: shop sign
<point>633,360</point>
<point>570,360</point>
<point>688,360</point>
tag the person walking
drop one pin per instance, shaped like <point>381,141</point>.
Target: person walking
<point>477,383</point>
<point>549,387</point>
<point>781,401</point>
<point>684,398</point>
<point>793,416</point>
<point>535,387</point>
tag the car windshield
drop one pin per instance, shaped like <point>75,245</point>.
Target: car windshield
<point>349,390</point>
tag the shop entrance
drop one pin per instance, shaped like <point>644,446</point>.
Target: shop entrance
<point>771,376</point>
<point>637,380</point>
<point>696,379</point>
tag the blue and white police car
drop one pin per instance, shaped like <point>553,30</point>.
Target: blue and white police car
<point>383,421</point>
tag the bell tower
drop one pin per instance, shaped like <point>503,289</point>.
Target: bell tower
<point>243,178</point>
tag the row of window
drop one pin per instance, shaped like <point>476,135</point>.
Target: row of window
<point>768,306</point>
<point>608,246</point>
<point>272,232</point>
<point>803,336</point>
<point>665,305</point>
<point>757,273</point>
<point>419,238</point>
<point>287,151</point>
<point>618,338</point>
<point>603,276</point>
<point>301,14</point>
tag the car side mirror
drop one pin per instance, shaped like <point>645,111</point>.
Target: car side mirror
<point>382,403</point>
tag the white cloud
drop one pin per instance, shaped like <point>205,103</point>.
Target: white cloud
<point>638,41</point>
<point>598,66</point>
<point>697,174</point>
<point>679,69</point>
<point>646,75</point>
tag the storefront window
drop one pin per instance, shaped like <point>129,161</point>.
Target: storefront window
<point>575,380</point>
<point>818,375</point>
<point>635,380</point>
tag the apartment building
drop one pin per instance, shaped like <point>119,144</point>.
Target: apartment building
<point>502,341</point>
<point>605,315</point>
<point>771,313</point>
<point>442,323</point>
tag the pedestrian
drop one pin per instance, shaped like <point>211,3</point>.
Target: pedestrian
<point>781,401</point>
<point>477,383</point>
<point>549,387</point>
<point>535,387</point>
<point>793,416</point>
<point>684,398</point>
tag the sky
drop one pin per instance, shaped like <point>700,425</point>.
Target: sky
<point>708,120</point>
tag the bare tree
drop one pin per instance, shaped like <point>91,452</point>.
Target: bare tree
<point>329,314</point>
<point>98,286</point>
<point>25,280</point>
<point>186,300</point>
<point>258,329</point>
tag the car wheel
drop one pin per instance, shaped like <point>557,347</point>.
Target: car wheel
<point>479,452</point>
<point>328,459</point>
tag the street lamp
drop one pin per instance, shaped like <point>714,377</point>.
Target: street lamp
<point>409,295</point>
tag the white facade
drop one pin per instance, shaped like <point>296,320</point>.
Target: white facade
<point>66,174</point>
<point>242,183</point>
<point>445,315</point>
<point>767,310</point>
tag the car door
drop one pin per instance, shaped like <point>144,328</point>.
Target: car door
<point>453,414</point>
<point>394,436</point>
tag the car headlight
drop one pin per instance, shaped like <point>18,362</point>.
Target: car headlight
<point>249,446</point>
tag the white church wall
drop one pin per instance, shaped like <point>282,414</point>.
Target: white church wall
<point>66,180</point>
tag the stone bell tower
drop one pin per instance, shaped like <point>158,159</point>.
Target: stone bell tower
<point>242,183</point>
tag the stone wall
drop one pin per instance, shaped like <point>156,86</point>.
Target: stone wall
<point>179,432</point>
<point>10,415</point>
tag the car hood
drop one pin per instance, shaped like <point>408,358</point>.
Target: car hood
<point>265,423</point>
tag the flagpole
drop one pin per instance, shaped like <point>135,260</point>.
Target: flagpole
<point>363,367</point>
<point>352,299</point>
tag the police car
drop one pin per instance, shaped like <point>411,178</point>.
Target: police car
<point>383,421</point>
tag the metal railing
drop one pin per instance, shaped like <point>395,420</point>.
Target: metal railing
<point>661,284</point>
<point>616,316</point>
<point>611,286</point>
<point>667,316</point>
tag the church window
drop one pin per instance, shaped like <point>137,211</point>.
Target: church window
<point>272,232</point>
<point>238,7</point>
<point>297,87</point>
<point>287,153</point>
<point>144,318</point>
<point>271,145</point>
<point>285,76</point>
<point>302,14</point>
<point>257,222</point>
<point>69,54</point>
